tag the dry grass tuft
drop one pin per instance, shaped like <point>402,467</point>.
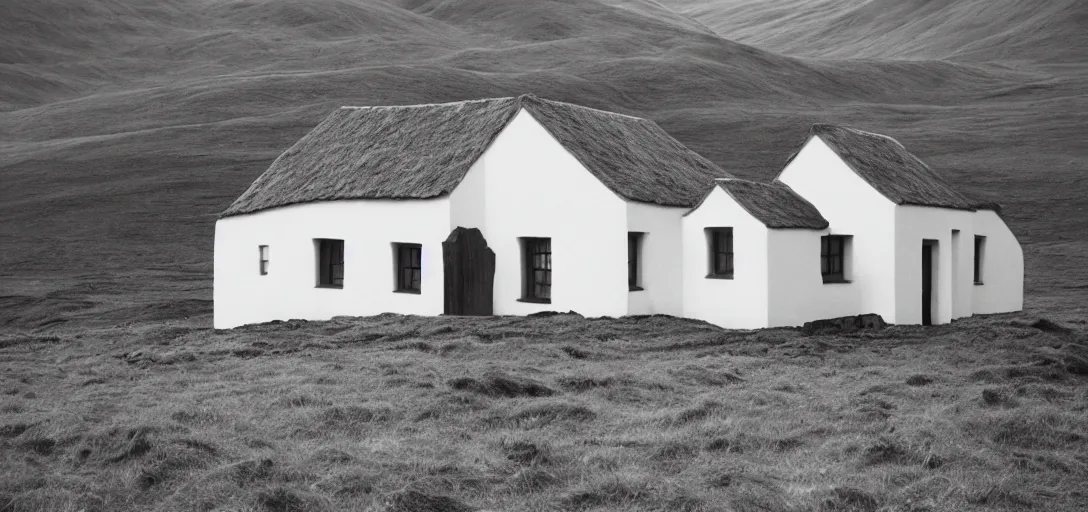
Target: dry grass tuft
<point>616,491</point>
<point>997,397</point>
<point>532,479</point>
<point>350,417</point>
<point>501,385</point>
<point>697,375</point>
<point>1034,429</point>
<point>286,499</point>
<point>849,499</point>
<point>919,380</point>
<point>413,500</point>
<point>527,453</point>
<point>542,414</point>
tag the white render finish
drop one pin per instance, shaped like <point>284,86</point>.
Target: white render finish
<point>526,184</point>
<point>1002,266</point>
<point>913,225</point>
<point>796,291</point>
<point>851,207</point>
<point>740,302</point>
<point>368,228</point>
<point>661,275</point>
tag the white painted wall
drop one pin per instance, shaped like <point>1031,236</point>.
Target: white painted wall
<point>913,225</point>
<point>661,269</point>
<point>368,228</point>
<point>527,185</point>
<point>851,207</point>
<point>1003,266</point>
<point>796,290</point>
<point>741,302</point>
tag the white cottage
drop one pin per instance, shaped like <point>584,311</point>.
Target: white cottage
<point>511,206</point>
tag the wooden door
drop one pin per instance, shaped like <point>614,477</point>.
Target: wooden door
<point>469,266</point>
<point>927,284</point>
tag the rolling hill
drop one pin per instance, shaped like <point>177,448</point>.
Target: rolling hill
<point>127,125</point>
<point>1014,31</point>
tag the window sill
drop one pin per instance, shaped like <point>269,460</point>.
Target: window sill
<point>411,292</point>
<point>837,281</point>
<point>719,276</point>
<point>635,288</point>
<point>534,300</point>
<point>330,286</point>
<point>978,283</point>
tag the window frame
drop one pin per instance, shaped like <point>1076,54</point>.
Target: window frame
<point>634,260</point>
<point>400,250</point>
<point>979,260</point>
<point>717,237</point>
<point>327,265</point>
<point>262,259</point>
<point>536,256</point>
<point>830,276</point>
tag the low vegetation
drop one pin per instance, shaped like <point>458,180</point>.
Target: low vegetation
<point>401,413</point>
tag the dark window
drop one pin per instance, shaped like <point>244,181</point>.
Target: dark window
<point>980,246</point>
<point>330,263</point>
<point>832,258</point>
<point>634,247</point>
<point>262,250</point>
<point>408,268</point>
<point>538,269</point>
<point>721,252</point>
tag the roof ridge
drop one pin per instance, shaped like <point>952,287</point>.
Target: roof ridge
<point>862,132</point>
<point>421,105</point>
<point>533,97</point>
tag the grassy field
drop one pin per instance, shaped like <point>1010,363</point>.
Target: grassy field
<point>127,125</point>
<point>557,412</point>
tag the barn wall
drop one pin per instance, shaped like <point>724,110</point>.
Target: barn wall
<point>740,302</point>
<point>368,229</point>
<point>1002,266</point>
<point>913,225</point>
<point>852,207</point>
<point>527,185</point>
<point>796,291</point>
<point>661,270</point>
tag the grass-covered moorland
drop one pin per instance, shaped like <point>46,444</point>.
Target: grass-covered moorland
<point>557,412</point>
<point>127,125</point>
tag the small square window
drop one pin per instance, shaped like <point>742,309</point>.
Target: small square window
<point>330,263</point>
<point>719,253</point>
<point>262,251</point>
<point>408,267</point>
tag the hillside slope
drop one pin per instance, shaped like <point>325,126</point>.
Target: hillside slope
<point>127,125</point>
<point>1055,31</point>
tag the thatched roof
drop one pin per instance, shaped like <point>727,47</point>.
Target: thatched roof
<point>889,168</point>
<point>424,151</point>
<point>774,204</point>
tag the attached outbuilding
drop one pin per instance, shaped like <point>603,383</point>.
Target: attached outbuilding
<point>511,206</point>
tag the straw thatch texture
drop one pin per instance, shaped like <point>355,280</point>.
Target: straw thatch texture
<point>774,204</point>
<point>424,151</point>
<point>409,152</point>
<point>889,168</point>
